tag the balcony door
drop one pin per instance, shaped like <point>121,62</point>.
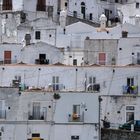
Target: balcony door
<point>42,58</point>
<point>36,110</point>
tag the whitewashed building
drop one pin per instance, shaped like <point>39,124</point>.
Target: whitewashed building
<point>120,109</point>
<point>42,115</point>
<point>104,80</point>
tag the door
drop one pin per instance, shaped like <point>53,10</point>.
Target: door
<point>102,58</point>
<point>7,57</point>
<point>83,9</point>
<point>138,58</point>
<point>36,111</point>
<point>42,58</point>
<point>107,13</point>
<point>130,113</point>
<point>130,83</point>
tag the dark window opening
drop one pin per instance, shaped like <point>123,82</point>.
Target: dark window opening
<point>75,62</point>
<point>90,16</point>
<point>74,137</point>
<point>137,5</point>
<point>27,39</point>
<point>41,5</point>
<point>75,14</point>
<point>36,135</point>
<point>42,59</point>
<point>83,9</point>
<point>7,5</point>
<point>66,4</point>
<point>37,35</point>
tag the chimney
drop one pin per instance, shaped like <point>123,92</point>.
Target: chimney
<point>103,21</point>
<point>62,18</point>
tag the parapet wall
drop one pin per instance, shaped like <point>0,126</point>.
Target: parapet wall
<point>112,134</point>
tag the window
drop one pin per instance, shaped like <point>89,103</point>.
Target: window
<point>36,110</point>
<point>35,135</point>
<point>75,14</point>
<point>138,58</point>
<point>37,35</point>
<point>66,4</point>
<point>130,83</point>
<point>74,137</point>
<point>2,110</point>
<point>76,109</point>
<point>102,58</point>
<point>75,62</point>
<point>7,5</point>
<point>130,113</point>
<point>27,39</point>
<point>137,5</point>
<point>55,82</point>
<point>90,16</point>
<point>41,5</point>
<point>92,86</point>
<point>92,80</point>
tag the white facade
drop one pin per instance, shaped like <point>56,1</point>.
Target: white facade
<point>52,119</point>
<point>129,12</point>
<point>91,10</point>
<point>107,80</point>
<point>120,109</point>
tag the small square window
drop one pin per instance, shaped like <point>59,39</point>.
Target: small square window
<point>75,62</point>
<point>37,35</point>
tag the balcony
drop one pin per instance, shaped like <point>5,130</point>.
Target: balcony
<point>130,90</point>
<point>135,61</point>
<point>93,87</point>
<point>36,115</point>
<point>8,61</point>
<point>2,114</point>
<point>42,61</point>
<point>76,117</point>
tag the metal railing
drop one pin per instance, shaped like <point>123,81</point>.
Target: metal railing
<point>7,61</point>
<point>76,117</point>
<point>130,89</point>
<point>37,116</point>
<point>2,114</point>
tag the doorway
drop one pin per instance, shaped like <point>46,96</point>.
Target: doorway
<point>83,9</point>
<point>42,58</point>
<point>7,57</point>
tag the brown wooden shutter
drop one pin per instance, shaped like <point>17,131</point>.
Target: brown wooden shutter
<point>7,5</point>
<point>41,5</point>
<point>7,57</point>
<point>102,58</point>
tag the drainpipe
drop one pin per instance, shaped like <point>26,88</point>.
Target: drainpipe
<point>99,134</point>
<point>76,79</point>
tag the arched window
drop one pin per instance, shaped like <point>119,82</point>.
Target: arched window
<point>41,5</point>
<point>83,9</point>
<point>7,5</point>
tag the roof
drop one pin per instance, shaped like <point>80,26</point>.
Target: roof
<point>80,27</point>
